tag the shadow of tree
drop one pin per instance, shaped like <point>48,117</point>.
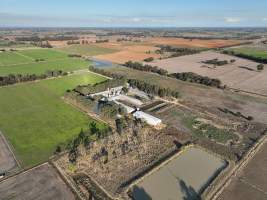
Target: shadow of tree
<point>188,191</point>
<point>140,194</point>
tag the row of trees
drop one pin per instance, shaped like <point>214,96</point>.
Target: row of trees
<point>18,78</point>
<point>73,42</point>
<point>176,52</point>
<point>102,41</point>
<point>186,76</point>
<point>195,78</point>
<point>100,87</point>
<point>153,89</point>
<point>217,62</point>
<point>237,114</point>
<point>147,68</point>
<point>246,56</point>
<point>105,73</point>
<point>39,39</point>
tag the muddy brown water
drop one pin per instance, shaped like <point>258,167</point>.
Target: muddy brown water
<point>184,177</point>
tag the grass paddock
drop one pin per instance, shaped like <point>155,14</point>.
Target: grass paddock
<point>25,62</point>
<point>35,119</point>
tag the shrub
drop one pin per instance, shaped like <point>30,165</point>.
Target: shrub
<point>260,67</point>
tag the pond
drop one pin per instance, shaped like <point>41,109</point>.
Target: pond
<point>184,177</point>
<point>101,63</point>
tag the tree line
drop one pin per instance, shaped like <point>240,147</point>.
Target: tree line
<point>153,89</point>
<point>195,78</point>
<point>147,68</point>
<point>99,87</point>
<point>217,62</point>
<point>176,52</point>
<point>19,78</point>
<point>105,73</point>
<point>39,39</point>
<point>186,76</point>
<point>102,41</point>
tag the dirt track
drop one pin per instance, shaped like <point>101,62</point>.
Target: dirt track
<point>40,183</point>
<point>7,160</point>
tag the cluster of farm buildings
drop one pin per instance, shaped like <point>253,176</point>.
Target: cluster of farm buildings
<point>116,95</point>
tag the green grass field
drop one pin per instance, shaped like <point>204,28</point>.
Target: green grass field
<point>87,50</point>
<point>23,62</point>
<point>12,58</point>
<point>69,64</point>
<point>47,54</point>
<point>252,51</point>
<point>35,119</point>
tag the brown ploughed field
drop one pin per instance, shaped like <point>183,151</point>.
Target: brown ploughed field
<point>242,74</point>
<point>211,43</point>
<point>128,51</point>
<point>251,183</point>
<point>40,183</point>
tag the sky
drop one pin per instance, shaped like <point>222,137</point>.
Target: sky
<point>133,13</point>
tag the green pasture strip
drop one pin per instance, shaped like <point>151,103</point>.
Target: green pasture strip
<point>68,64</point>
<point>86,50</point>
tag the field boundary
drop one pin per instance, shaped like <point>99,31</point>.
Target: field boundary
<point>23,171</point>
<point>28,57</point>
<point>101,75</point>
<point>247,92</point>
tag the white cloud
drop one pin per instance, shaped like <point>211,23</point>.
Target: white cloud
<point>232,19</point>
<point>264,19</point>
<point>136,19</point>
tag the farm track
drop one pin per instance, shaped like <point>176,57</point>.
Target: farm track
<point>247,92</point>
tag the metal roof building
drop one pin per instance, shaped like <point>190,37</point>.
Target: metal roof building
<point>151,120</point>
